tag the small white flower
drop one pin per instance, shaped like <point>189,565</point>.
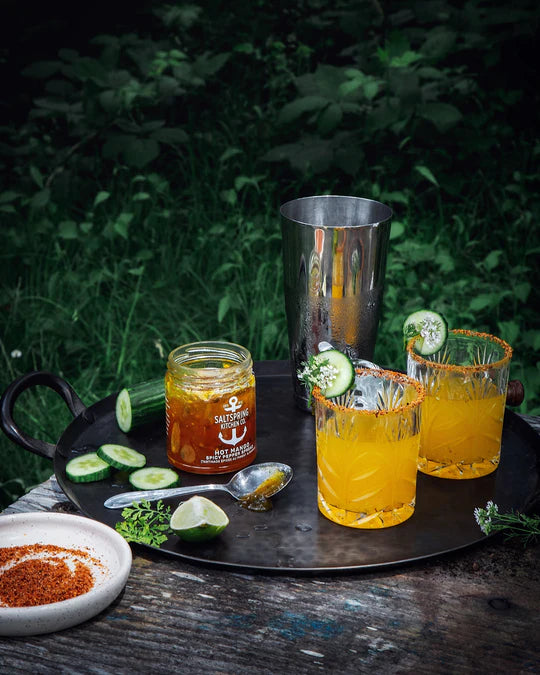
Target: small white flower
<point>159,347</point>
<point>317,375</point>
<point>16,354</point>
<point>484,516</point>
<point>431,332</point>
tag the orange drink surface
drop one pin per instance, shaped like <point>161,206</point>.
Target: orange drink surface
<point>366,458</point>
<point>463,413</point>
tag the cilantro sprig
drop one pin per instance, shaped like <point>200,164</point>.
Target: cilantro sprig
<point>513,525</point>
<point>144,524</point>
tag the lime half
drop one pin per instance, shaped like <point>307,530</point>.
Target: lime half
<point>198,519</point>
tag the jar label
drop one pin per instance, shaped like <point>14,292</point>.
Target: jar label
<point>211,433</point>
<point>233,429</point>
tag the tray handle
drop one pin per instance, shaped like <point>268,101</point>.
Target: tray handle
<point>515,393</point>
<point>12,393</point>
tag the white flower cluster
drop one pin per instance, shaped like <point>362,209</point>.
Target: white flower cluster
<point>318,375</point>
<point>431,332</point>
<point>484,516</point>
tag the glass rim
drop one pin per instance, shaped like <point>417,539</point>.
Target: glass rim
<point>180,357</point>
<point>453,367</point>
<point>388,213</point>
<point>394,375</point>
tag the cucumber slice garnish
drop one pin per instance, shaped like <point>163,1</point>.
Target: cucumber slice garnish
<point>153,478</point>
<point>341,372</point>
<point>87,468</point>
<point>121,457</point>
<point>430,330</point>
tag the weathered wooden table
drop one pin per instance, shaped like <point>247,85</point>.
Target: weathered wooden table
<point>476,611</point>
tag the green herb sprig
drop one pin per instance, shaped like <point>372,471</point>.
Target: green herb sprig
<point>144,524</point>
<point>513,525</point>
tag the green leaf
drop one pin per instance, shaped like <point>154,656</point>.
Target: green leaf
<point>241,181</point>
<point>230,152</point>
<point>349,87</point>
<point>395,196</point>
<point>484,301</point>
<point>397,228</point>
<point>522,291</point>
<point>101,197</point>
<point>144,525</point>
<point>208,64</point>
<point>244,48</point>
<point>37,176</point>
<point>110,100</point>
<point>121,224</point>
<point>405,59</point>
<point>292,111</point>
<point>228,196</point>
<point>8,196</point>
<point>371,89</point>
<point>223,308</point>
<point>329,119</point>
<point>67,229</point>
<point>509,331</point>
<point>426,173</point>
<point>492,260</point>
<point>324,82</point>
<point>170,135</point>
<point>140,197</point>
<point>140,152</point>
<point>444,261</point>
<point>40,199</point>
<point>443,115</point>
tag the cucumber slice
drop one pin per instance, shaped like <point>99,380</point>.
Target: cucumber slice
<point>121,457</point>
<point>87,468</point>
<point>153,478</point>
<point>140,404</point>
<point>343,378</point>
<point>430,329</point>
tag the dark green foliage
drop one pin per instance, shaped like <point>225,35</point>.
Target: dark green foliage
<point>142,184</point>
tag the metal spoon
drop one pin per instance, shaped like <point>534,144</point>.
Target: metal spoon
<point>240,486</point>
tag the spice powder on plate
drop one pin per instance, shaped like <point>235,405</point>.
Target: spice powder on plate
<point>40,574</point>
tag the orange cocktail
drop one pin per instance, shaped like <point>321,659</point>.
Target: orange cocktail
<point>367,450</point>
<point>465,383</point>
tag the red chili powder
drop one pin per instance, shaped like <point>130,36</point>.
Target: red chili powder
<point>38,575</point>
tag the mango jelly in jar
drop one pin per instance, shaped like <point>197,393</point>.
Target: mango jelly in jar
<point>210,407</point>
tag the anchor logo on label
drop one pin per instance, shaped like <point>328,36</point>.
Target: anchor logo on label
<point>234,439</point>
<point>234,404</point>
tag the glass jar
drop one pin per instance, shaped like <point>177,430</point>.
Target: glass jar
<point>210,407</point>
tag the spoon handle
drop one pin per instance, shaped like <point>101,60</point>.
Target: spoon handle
<point>127,498</point>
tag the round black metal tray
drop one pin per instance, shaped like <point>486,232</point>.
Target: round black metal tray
<point>294,536</point>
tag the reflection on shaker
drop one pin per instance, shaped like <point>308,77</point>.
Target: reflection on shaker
<point>334,261</point>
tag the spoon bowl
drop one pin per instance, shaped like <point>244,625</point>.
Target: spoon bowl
<point>274,475</point>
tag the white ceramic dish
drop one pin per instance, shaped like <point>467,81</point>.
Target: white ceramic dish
<point>72,532</point>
